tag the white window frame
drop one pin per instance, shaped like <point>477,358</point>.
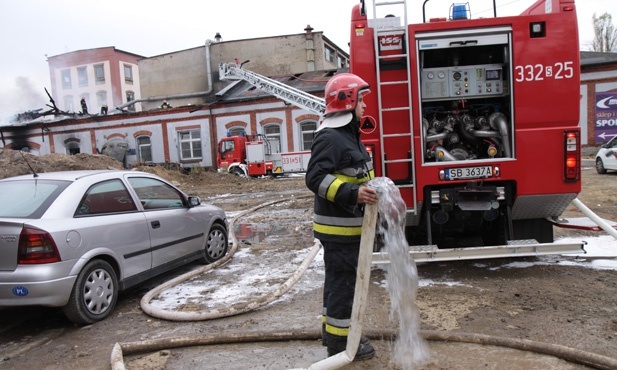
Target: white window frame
<point>304,132</point>
<point>194,143</point>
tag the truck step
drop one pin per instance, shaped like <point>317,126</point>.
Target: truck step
<point>515,248</point>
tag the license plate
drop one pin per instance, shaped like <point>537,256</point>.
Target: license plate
<point>469,172</point>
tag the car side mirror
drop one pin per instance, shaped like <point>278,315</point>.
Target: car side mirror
<point>194,201</point>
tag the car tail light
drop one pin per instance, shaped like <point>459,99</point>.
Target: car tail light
<point>572,156</point>
<point>36,247</point>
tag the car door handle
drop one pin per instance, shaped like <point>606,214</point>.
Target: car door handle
<point>155,224</point>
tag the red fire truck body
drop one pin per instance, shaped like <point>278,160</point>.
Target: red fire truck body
<point>249,156</point>
<point>475,120</point>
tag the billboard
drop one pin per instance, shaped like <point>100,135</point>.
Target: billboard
<point>605,116</point>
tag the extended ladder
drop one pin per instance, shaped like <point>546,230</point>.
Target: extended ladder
<point>393,68</point>
<point>232,71</point>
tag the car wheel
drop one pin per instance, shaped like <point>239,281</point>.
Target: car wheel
<point>600,166</point>
<point>94,294</point>
<point>216,244</point>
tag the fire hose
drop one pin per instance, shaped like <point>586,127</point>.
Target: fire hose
<point>238,308</point>
<point>131,348</point>
<point>566,353</point>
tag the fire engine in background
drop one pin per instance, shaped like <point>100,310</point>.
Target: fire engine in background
<point>474,120</point>
<point>255,156</point>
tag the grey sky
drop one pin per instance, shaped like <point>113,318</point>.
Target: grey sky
<point>33,29</point>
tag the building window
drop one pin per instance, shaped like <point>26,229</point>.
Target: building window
<point>342,62</point>
<point>66,79</point>
<point>273,134</point>
<point>236,131</point>
<point>308,131</point>
<point>72,148</point>
<point>144,149</point>
<point>329,53</point>
<point>190,145</point>
<point>130,96</point>
<point>101,98</point>
<point>68,103</point>
<point>99,74</point>
<point>128,74</point>
<point>82,76</point>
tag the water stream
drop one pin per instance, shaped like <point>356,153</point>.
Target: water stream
<point>410,349</point>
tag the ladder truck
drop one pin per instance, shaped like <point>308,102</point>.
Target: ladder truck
<point>474,120</point>
<point>255,155</point>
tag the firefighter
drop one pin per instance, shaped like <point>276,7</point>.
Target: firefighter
<point>165,105</point>
<point>337,170</point>
<point>84,106</point>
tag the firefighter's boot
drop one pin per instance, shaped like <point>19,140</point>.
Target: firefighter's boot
<point>337,344</point>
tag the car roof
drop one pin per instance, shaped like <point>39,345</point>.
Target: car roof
<point>74,175</point>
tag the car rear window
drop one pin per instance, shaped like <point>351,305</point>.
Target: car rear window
<point>28,198</point>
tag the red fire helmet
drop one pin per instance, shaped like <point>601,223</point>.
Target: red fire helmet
<point>342,92</point>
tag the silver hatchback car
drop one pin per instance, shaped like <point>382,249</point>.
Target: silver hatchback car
<point>75,239</point>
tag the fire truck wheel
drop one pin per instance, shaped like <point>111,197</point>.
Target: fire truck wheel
<point>237,171</point>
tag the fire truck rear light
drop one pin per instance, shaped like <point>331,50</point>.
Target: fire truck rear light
<point>571,156</point>
<point>568,8</point>
<point>360,25</point>
<point>571,161</point>
<point>571,142</point>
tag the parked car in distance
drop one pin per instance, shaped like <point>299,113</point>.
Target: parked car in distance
<point>606,158</point>
<point>74,239</point>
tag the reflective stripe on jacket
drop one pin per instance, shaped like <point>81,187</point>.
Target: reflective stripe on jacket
<point>339,164</point>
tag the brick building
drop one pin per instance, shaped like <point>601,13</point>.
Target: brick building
<point>103,77</point>
<point>136,130</point>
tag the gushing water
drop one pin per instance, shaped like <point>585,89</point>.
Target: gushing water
<point>410,349</point>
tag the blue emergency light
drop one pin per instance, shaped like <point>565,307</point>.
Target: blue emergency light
<point>459,11</point>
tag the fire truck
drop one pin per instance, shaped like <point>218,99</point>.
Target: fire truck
<point>474,120</point>
<point>255,156</point>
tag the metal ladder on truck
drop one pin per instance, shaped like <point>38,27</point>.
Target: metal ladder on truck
<point>393,70</point>
<point>233,71</point>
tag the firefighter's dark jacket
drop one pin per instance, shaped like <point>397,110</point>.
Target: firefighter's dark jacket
<point>339,164</point>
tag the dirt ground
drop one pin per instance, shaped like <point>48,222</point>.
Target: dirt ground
<point>548,302</point>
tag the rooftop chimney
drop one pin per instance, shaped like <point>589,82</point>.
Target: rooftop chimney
<point>218,37</point>
<point>308,28</point>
